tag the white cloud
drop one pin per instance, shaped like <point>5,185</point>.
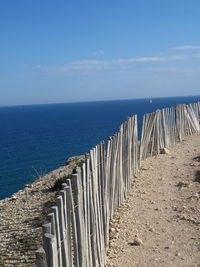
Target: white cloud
<point>196,55</point>
<point>185,47</point>
<point>128,60</point>
<point>98,53</point>
<point>96,65</point>
<point>39,67</point>
<point>148,59</point>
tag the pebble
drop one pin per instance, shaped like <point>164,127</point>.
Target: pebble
<point>177,254</point>
<point>137,241</point>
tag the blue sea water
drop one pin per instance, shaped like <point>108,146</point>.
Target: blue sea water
<point>39,138</point>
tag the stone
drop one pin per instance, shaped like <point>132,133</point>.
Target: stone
<point>137,241</point>
<point>177,254</point>
<point>164,151</point>
<point>13,198</point>
<point>151,229</point>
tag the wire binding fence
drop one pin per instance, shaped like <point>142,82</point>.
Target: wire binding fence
<point>166,127</point>
<point>77,232</point>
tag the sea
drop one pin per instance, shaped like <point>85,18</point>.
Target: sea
<point>39,138</point>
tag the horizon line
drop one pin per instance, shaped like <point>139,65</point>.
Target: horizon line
<point>100,100</point>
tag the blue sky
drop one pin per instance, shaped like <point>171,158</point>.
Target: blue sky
<point>68,51</point>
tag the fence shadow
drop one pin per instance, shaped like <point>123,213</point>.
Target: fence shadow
<point>197,176</point>
<point>197,158</point>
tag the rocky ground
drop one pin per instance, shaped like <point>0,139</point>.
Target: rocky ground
<point>159,225</point>
<point>22,216</point>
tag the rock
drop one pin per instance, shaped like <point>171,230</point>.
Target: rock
<point>112,244</point>
<point>183,217</point>
<point>164,151</point>
<point>196,195</point>
<point>112,230</point>
<point>74,159</point>
<point>144,169</point>
<point>137,241</point>
<point>28,186</point>
<point>183,184</point>
<point>195,164</point>
<point>192,220</point>
<point>13,198</point>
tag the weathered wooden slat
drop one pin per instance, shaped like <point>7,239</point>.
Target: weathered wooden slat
<point>40,258</point>
<point>75,238</point>
<point>78,209</point>
<point>51,221</point>
<point>46,229</point>
<point>54,210</point>
<point>69,225</point>
<point>59,203</point>
<point>51,248</point>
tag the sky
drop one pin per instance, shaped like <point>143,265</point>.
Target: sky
<point>70,51</point>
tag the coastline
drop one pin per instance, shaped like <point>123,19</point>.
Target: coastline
<point>22,215</point>
<point>65,135</point>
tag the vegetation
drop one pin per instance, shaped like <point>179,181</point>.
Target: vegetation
<point>58,183</point>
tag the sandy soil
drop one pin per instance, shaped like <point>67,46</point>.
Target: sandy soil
<point>159,225</point>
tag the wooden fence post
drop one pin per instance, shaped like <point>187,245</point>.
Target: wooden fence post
<point>40,258</point>
<point>51,248</point>
<point>69,224</point>
<point>51,220</point>
<point>59,203</point>
<point>80,224</point>
<point>74,226</point>
<point>57,234</point>
<point>46,229</point>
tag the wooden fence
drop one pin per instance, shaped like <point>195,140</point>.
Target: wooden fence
<point>166,127</point>
<point>77,232</point>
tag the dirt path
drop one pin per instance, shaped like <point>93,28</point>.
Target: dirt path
<point>159,225</point>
